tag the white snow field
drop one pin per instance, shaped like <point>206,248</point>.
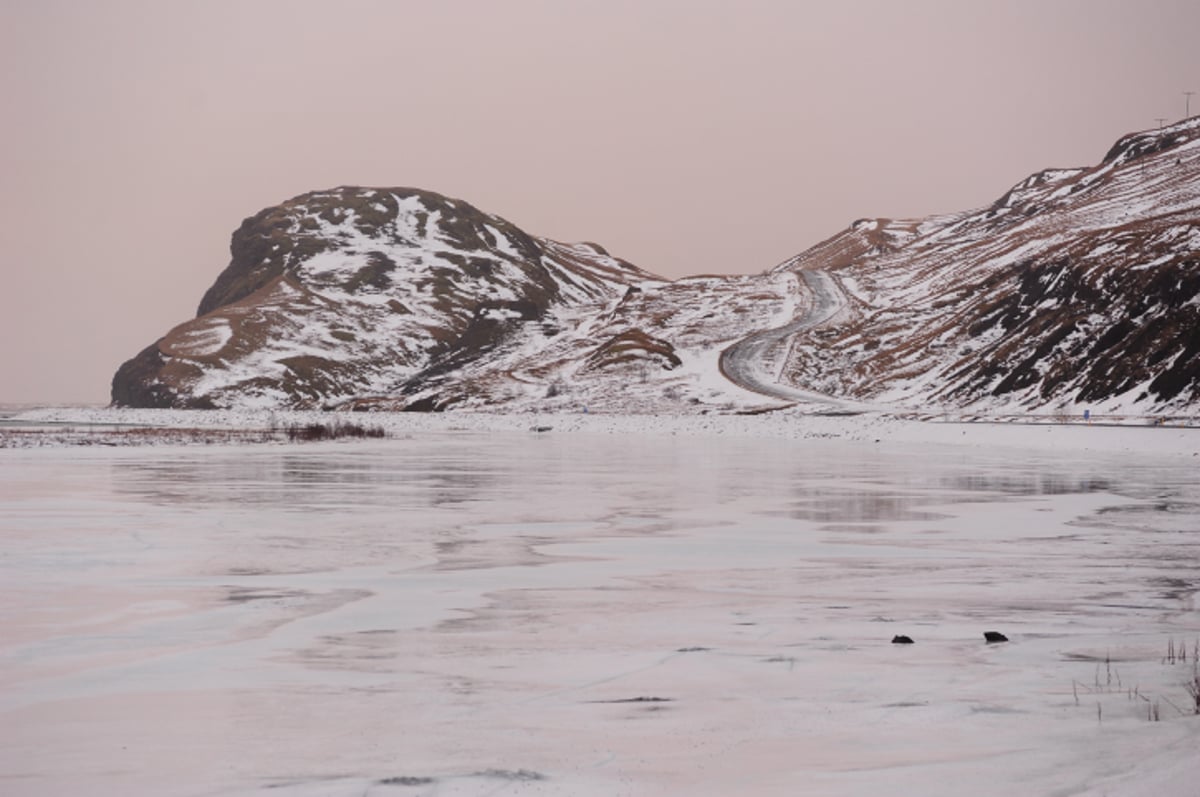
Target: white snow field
<point>618,606</point>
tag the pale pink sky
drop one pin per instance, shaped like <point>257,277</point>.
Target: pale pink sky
<point>688,136</point>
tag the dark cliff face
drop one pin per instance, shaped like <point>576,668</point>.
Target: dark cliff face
<point>1099,330</point>
<point>135,384</point>
<point>149,380</point>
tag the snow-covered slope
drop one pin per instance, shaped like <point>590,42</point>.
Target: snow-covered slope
<point>1078,288</point>
<point>357,292</point>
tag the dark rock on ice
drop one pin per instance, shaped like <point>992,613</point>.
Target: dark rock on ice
<point>405,780</point>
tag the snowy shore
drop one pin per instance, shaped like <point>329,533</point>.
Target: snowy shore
<point>66,425</point>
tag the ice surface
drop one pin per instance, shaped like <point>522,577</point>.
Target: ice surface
<point>634,607</point>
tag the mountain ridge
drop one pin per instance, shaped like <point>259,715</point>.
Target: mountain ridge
<point>1075,287</point>
<point>1076,284</point>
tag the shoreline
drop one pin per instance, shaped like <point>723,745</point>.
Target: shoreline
<point>108,426</point>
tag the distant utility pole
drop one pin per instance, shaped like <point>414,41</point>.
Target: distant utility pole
<point>1162,120</point>
<point>1187,104</point>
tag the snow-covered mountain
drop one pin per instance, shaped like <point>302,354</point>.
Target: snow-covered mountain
<point>1077,288</point>
<point>358,292</point>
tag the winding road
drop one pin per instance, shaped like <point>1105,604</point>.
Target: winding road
<point>753,362</point>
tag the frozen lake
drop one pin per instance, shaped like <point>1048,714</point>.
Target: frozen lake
<point>495,613</point>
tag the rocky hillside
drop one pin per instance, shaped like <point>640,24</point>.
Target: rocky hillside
<point>358,292</point>
<point>1077,288</point>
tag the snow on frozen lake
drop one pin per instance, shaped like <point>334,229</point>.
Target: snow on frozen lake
<point>498,612</point>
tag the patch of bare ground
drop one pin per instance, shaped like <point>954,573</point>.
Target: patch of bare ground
<point>633,345</point>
